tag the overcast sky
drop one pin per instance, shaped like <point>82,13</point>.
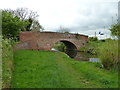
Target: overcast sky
<point>80,16</point>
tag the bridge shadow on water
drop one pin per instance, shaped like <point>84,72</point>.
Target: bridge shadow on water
<point>66,46</point>
<point>82,56</point>
<point>72,52</point>
<point>71,48</point>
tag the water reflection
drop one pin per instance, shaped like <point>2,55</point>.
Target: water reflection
<point>71,53</point>
<point>94,60</point>
<point>82,56</point>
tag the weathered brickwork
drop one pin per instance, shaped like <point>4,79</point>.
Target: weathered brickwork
<point>35,40</point>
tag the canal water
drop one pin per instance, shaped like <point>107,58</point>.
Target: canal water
<point>82,56</point>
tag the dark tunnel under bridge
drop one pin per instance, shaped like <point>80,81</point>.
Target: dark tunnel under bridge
<point>71,48</point>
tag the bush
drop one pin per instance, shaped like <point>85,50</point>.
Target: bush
<point>7,62</point>
<point>60,46</point>
<point>93,39</point>
<point>12,25</point>
<point>90,47</point>
<point>108,53</point>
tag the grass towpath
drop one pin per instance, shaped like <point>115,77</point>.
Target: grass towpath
<point>43,69</point>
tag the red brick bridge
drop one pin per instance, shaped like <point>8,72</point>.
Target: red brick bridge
<point>36,40</point>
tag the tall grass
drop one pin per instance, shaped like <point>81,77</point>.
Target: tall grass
<point>108,53</point>
<point>91,47</point>
<point>7,61</point>
<point>0,62</point>
<point>44,69</point>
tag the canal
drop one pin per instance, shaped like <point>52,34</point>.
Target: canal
<point>83,56</point>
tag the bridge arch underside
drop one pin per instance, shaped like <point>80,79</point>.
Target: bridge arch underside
<point>71,48</point>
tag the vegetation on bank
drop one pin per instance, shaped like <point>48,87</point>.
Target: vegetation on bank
<point>90,47</point>
<point>43,69</point>
<point>7,61</point>
<point>108,53</point>
<point>60,46</point>
<point>11,25</point>
<point>52,69</point>
<point>106,50</point>
<point>14,22</point>
<point>115,30</point>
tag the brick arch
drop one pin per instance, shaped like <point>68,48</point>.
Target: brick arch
<point>35,40</point>
<point>67,43</point>
<point>71,47</point>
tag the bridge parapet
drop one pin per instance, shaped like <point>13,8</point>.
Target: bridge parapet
<point>35,40</point>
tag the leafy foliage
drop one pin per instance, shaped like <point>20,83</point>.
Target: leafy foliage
<point>12,25</point>
<point>93,38</point>
<point>115,30</point>
<point>29,15</point>
<point>7,61</point>
<point>91,47</point>
<point>60,46</point>
<point>108,53</point>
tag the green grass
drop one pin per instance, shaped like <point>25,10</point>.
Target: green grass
<point>91,47</point>
<point>7,62</point>
<point>106,50</point>
<point>43,69</point>
<point>110,56</point>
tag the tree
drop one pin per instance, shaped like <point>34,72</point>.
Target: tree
<point>63,30</point>
<point>35,26</point>
<point>93,39</point>
<point>26,14</point>
<point>115,30</point>
<point>12,25</point>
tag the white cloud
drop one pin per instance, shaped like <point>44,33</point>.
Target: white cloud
<point>83,16</point>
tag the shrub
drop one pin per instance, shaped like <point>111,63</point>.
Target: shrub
<point>93,39</point>
<point>12,25</point>
<point>90,47</point>
<point>108,53</point>
<point>7,62</point>
<point>60,46</point>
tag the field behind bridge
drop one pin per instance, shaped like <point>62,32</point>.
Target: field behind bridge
<point>43,69</point>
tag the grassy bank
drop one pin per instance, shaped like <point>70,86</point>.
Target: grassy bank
<point>91,47</point>
<point>108,53</point>
<point>106,50</point>
<point>7,62</point>
<point>43,69</point>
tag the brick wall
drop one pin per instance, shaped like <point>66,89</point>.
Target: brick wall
<point>36,40</point>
